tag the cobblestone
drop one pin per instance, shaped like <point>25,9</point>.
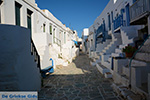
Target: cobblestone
<point>78,81</point>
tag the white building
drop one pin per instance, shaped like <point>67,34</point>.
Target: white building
<point>112,31</point>
<point>85,34</point>
<point>49,35</point>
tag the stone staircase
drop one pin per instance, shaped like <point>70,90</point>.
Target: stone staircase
<point>141,69</point>
<point>101,46</point>
<point>116,40</point>
<point>106,53</point>
<point>57,56</point>
<point>44,56</point>
<point>128,35</point>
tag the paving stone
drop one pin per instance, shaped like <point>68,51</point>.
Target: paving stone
<point>77,81</point>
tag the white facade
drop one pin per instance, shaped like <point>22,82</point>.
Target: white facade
<point>18,67</point>
<point>111,32</point>
<point>85,34</point>
<point>49,35</point>
<point>48,32</point>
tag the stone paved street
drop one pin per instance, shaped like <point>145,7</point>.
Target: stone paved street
<point>78,81</point>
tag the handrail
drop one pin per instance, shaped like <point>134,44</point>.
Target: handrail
<point>35,53</point>
<point>133,58</point>
<point>119,22</point>
<point>49,69</point>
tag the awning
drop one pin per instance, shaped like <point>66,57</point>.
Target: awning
<point>75,42</point>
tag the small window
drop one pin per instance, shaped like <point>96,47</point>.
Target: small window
<point>50,29</point>
<point>112,17</point>
<point>44,27</point>
<point>64,37</point>
<point>29,21</point>
<point>109,22</point>
<point>17,13</point>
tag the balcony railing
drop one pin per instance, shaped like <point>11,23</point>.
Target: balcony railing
<point>36,55</point>
<point>139,8</point>
<point>57,41</point>
<point>119,22</point>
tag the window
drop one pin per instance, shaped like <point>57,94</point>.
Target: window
<point>50,28</point>
<point>64,37</point>
<point>44,27</point>
<point>29,24</point>
<point>54,35</point>
<point>17,13</point>
<point>112,16</point>
<point>0,15</point>
<point>109,23</point>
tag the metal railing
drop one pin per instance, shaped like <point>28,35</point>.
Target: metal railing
<point>57,41</point>
<point>36,55</point>
<point>130,66</point>
<point>139,8</point>
<point>119,22</point>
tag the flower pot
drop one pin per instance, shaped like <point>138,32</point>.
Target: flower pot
<point>129,55</point>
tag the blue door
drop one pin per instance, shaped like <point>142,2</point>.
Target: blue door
<point>127,15</point>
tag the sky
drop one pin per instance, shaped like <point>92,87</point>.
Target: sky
<point>76,14</point>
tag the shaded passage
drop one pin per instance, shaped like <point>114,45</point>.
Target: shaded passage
<point>78,81</point>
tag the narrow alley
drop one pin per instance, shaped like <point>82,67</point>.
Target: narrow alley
<point>78,81</point>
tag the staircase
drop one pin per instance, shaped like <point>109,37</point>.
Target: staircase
<point>128,35</point>
<point>116,41</point>
<point>57,56</point>
<point>20,65</point>
<point>101,46</point>
<point>44,56</point>
<point>141,68</point>
<point>139,71</point>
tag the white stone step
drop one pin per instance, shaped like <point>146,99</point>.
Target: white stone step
<point>138,63</point>
<point>105,57</point>
<point>125,80</point>
<point>122,46</point>
<point>118,55</point>
<point>118,50</point>
<point>108,75</point>
<point>145,49</point>
<point>147,42</point>
<point>106,64</point>
<point>143,56</point>
<point>101,68</point>
<point>92,63</point>
<point>110,59</point>
<point>115,54</point>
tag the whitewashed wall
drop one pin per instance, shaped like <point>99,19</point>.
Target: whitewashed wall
<point>18,69</point>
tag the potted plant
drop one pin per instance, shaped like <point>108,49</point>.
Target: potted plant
<point>129,51</point>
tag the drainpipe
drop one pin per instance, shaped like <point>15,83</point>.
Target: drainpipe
<point>130,67</point>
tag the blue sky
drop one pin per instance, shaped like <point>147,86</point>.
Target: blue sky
<point>78,14</point>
